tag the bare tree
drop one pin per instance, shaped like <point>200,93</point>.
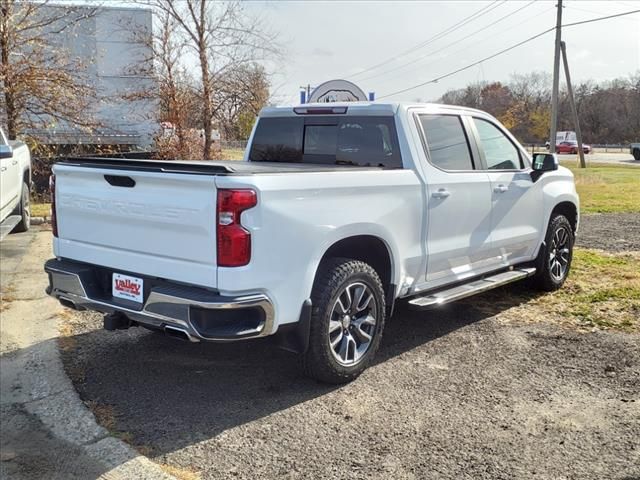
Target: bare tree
<point>241,94</point>
<point>175,90</point>
<point>42,82</point>
<point>222,36</point>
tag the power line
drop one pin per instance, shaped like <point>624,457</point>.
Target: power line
<point>464,50</point>
<point>483,11</point>
<point>572,7</point>
<point>448,45</point>
<point>601,18</point>
<point>435,80</point>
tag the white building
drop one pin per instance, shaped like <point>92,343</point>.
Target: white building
<point>113,42</point>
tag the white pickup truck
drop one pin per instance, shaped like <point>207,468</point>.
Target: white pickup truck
<point>337,212</point>
<point>15,182</point>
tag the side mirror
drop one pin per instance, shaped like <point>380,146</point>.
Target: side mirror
<point>6,151</point>
<point>545,162</point>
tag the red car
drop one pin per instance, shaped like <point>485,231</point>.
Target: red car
<point>571,146</point>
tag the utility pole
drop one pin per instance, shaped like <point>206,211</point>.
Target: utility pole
<point>556,80</point>
<point>306,89</point>
<point>572,100</point>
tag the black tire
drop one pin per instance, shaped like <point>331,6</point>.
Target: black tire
<point>335,276</point>
<point>547,277</point>
<point>636,153</point>
<point>24,210</point>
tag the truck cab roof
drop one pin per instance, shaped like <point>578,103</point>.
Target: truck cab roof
<point>359,108</point>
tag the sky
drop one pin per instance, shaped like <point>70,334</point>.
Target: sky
<point>324,40</point>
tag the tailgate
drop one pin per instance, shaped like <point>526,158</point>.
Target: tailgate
<point>147,222</point>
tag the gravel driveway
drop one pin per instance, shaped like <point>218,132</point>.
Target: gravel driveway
<point>611,231</point>
<point>455,393</point>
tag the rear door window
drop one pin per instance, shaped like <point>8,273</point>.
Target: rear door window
<point>331,140</point>
<point>447,142</point>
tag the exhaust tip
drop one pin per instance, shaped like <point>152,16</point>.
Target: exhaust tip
<point>177,333</point>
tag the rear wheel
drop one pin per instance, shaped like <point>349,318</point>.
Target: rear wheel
<point>636,153</point>
<point>24,210</point>
<point>554,259</point>
<point>347,320</point>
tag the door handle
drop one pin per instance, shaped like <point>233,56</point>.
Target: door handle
<point>15,162</point>
<point>501,189</point>
<point>3,169</point>
<point>441,193</point>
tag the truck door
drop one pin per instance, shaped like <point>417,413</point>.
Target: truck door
<point>458,202</point>
<point>516,212</point>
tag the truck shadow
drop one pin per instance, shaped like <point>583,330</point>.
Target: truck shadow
<point>166,394</point>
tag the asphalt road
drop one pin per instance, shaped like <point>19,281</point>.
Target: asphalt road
<point>602,157</point>
<point>455,393</point>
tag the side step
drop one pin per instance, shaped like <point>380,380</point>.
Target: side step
<point>8,225</point>
<point>466,290</point>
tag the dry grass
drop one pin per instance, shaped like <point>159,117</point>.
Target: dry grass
<point>104,414</point>
<point>40,209</point>
<point>602,292</point>
<point>232,154</point>
<point>179,472</point>
<point>106,417</point>
<point>7,296</point>
<point>66,340</point>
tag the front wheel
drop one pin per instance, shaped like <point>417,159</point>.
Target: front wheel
<point>347,320</point>
<point>554,259</point>
<point>24,210</point>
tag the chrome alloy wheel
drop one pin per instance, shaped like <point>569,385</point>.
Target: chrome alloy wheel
<point>353,323</point>
<point>559,254</point>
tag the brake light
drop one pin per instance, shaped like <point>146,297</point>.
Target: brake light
<point>234,241</point>
<point>54,220</point>
<point>319,110</point>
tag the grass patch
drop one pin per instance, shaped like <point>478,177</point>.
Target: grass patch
<point>179,472</point>
<point>66,339</point>
<point>607,188</point>
<point>40,209</point>
<point>7,296</point>
<point>602,292</point>
<point>232,154</point>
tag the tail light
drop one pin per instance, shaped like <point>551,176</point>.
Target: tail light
<point>54,220</point>
<point>234,241</point>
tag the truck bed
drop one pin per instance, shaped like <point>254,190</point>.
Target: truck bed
<point>217,167</point>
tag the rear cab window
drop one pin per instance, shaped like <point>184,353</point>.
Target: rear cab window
<point>446,141</point>
<point>367,141</point>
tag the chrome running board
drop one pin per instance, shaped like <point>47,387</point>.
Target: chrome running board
<point>8,225</point>
<point>452,294</point>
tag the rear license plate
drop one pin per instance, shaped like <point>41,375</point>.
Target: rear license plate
<point>129,288</point>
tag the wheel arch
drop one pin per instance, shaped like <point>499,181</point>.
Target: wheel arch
<point>26,177</point>
<point>371,249</point>
<point>569,210</point>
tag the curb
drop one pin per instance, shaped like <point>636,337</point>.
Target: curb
<point>42,387</point>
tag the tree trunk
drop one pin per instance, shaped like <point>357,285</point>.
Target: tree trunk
<point>9,100</point>
<point>206,102</point>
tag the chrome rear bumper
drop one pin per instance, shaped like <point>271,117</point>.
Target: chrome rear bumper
<point>197,313</point>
